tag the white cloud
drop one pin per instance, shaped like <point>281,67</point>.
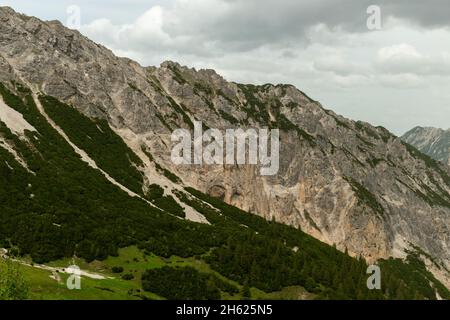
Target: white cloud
<point>398,53</point>
<point>338,65</point>
<point>403,80</point>
<point>405,59</point>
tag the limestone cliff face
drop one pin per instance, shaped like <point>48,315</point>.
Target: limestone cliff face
<point>347,183</point>
<point>434,142</point>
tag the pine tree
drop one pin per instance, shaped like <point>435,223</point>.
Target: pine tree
<point>12,283</point>
<point>246,294</point>
<point>310,284</point>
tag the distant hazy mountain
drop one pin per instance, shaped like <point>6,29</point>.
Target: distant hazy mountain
<point>434,142</point>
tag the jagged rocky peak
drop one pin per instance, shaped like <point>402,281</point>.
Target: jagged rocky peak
<point>6,12</point>
<point>434,142</point>
<point>206,81</point>
<point>175,66</point>
<point>345,182</point>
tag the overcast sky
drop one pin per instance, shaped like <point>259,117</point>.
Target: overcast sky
<point>397,77</point>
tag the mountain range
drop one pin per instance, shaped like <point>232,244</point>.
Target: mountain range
<point>434,142</point>
<point>85,146</point>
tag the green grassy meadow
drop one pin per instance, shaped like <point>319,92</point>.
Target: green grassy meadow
<point>133,261</point>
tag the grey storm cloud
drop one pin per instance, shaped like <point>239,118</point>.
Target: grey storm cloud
<point>431,13</point>
<point>244,25</point>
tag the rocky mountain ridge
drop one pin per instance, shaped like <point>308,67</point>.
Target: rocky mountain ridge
<point>346,183</point>
<point>434,142</point>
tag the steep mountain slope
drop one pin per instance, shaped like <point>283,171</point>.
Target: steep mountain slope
<point>434,142</point>
<point>346,183</point>
<point>56,202</point>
